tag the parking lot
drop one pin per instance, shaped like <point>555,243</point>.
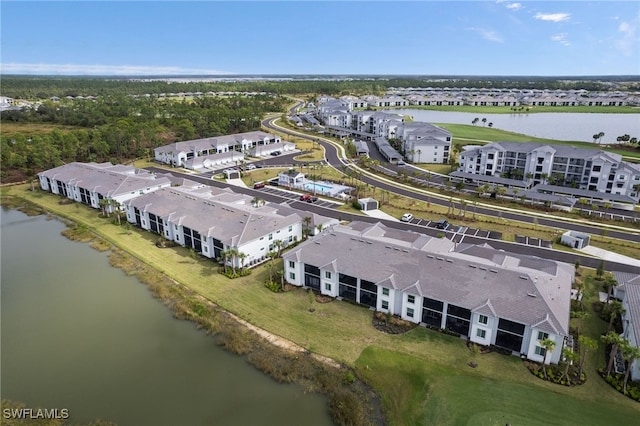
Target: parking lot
<point>292,197</point>
<point>456,232</point>
<point>531,241</point>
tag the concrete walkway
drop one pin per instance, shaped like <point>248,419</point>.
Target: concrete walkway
<point>236,182</point>
<point>608,255</point>
<point>379,214</point>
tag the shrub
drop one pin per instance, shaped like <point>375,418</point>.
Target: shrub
<point>273,286</point>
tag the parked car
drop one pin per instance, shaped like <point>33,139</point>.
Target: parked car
<point>258,185</point>
<point>401,163</point>
<point>305,197</point>
<point>312,199</point>
<point>442,224</point>
<point>275,153</point>
<point>407,217</point>
<point>251,167</point>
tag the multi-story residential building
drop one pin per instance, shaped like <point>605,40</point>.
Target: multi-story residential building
<point>628,291</point>
<point>488,296</point>
<point>421,142</point>
<point>218,149</point>
<point>211,220</point>
<point>424,142</point>
<point>561,165</point>
<point>90,183</point>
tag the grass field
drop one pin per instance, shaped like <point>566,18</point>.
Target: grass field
<point>422,375</point>
<point>31,129</point>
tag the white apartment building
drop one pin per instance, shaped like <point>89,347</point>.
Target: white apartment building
<point>89,183</point>
<point>488,296</point>
<point>562,165</point>
<point>257,143</point>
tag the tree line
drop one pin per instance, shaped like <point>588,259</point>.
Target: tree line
<point>47,87</point>
<point>120,128</point>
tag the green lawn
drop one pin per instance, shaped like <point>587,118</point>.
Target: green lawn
<point>419,392</point>
<point>422,375</point>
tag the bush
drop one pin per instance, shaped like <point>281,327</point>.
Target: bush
<point>273,286</point>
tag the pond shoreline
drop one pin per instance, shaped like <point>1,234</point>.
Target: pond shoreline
<point>350,401</point>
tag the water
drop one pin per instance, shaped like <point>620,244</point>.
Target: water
<point>563,126</point>
<point>81,335</point>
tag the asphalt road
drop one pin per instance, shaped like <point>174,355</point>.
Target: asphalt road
<point>331,153</point>
<point>501,245</point>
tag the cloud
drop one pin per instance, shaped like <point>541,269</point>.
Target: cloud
<point>488,34</point>
<point>76,69</point>
<point>514,6</point>
<point>628,41</point>
<point>561,38</point>
<point>553,17</point>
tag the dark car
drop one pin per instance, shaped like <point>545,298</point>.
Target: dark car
<point>258,185</point>
<point>312,199</point>
<point>275,153</point>
<point>442,224</point>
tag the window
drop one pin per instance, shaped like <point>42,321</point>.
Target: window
<point>541,351</point>
<point>271,236</point>
<point>411,298</point>
<point>290,228</point>
<point>596,168</point>
<point>206,249</point>
<point>292,275</point>
<point>481,333</point>
<point>327,275</point>
<point>483,319</point>
<point>542,335</point>
<point>385,291</point>
<point>327,286</point>
<point>292,264</point>
<point>410,312</point>
<point>385,304</point>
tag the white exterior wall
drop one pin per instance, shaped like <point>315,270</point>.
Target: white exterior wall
<point>489,328</point>
<point>329,278</point>
<point>416,306</point>
<point>296,270</point>
<point>530,344</point>
<point>630,335</point>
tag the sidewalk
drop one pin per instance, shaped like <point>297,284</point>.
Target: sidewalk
<point>608,255</point>
<point>380,215</point>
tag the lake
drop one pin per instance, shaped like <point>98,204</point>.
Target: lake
<point>81,335</point>
<point>565,126</point>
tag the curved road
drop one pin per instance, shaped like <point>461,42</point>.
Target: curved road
<point>334,159</point>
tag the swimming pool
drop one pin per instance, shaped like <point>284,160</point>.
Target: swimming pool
<point>317,187</point>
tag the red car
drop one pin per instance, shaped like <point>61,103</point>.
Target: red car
<point>305,197</point>
<point>258,185</point>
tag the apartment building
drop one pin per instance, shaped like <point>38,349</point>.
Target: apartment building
<point>487,296</point>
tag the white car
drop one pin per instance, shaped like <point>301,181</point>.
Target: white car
<point>251,166</point>
<point>406,217</point>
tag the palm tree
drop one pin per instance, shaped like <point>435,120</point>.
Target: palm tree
<point>548,345</point>
<point>484,121</point>
<point>569,357</point>
<point>319,227</point>
<point>610,283</point>
<point>613,339</point>
<point>278,245</point>
<point>586,344</point>
<point>629,353</point>
<point>272,256</point>
<point>475,121</point>
<point>104,204</point>
<point>614,308</point>
<point>224,257</point>
<point>233,254</point>
<point>242,256</point>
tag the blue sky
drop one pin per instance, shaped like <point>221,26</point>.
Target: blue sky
<point>321,37</point>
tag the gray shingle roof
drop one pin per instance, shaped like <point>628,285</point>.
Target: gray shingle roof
<point>213,142</point>
<point>105,178</point>
<point>474,278</point>
<point>222,216</point>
